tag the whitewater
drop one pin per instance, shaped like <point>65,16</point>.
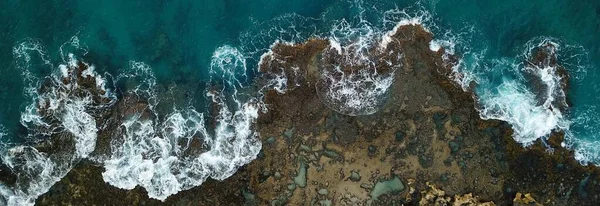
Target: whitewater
<point>167,152</point>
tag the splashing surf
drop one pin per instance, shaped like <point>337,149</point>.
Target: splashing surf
<point>169,153</point>
<point>64,110</point>
<point>529,91</point>
<point>180,152</point>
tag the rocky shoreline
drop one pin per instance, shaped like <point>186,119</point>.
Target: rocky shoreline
<point>425,146</point>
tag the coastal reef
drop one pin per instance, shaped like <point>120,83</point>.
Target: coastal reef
<point>418,141</point>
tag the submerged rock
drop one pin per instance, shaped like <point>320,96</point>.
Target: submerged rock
<point>277,175</point>
<point>289,133</point>
<point>454,146</point>
<point>372,150</point>
<point>250,199</point>
<point>543,64</point>
<point>400,136</point>
<point>7,177</point>
<point>271,140</point>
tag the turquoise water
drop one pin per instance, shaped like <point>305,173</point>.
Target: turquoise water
<point>179,41</point>
<point>176,39</point>
<point>503,30</point>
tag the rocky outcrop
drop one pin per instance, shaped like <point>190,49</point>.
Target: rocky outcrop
<point>434,196</point>
<point>426,132</point>
<point>524,199</point>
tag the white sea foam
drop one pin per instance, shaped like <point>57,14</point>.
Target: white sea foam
<point>56,110</point>
<point>353,84</point>
<point>37,172</point>
<point>512,98</point>
<point>335,45</point>
<point>161,154</point>
<point>387,37</point>
<point>353,40</point>
<point>434,46</point>
<point>229,65</point>
<point>266,57</point>
<point>532,113</point>
<point>158,154</point>
<point>504,92</point>
<point>359,93</point>
<point>514,103</point>
<point>583,137</point>
<point>278,82</point>
<point>277,78</point>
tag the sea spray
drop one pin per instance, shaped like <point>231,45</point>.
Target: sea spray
<point>159,155</point>
<point>63,109</point>
<point>352,82</point>
<point>168,153</point>
<point>358,68</point>
<point>528,95</point>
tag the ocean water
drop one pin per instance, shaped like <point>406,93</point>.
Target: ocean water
<point>172,54</point>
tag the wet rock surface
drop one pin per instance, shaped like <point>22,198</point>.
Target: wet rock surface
<point>427,139</point>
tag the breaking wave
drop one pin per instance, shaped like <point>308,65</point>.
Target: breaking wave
<point>356,69</point>
<point>179,152</point>
<point>527,91</point>
<point>61,121</point>
<point>168,151</point>
<point>164,154</point>
<point>352,81</point>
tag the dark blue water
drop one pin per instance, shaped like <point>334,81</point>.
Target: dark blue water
<point>178,42</point>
